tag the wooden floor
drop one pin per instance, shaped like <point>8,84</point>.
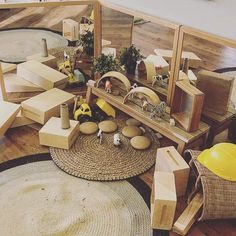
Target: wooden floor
<point>24,140</point>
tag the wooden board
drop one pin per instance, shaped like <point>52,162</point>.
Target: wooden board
<point>8,112</point>
<point>168,159</point>
<point>53,135</point>
<point>20,120</point>
<point>7,67</point>
<point>194,60</point>
<point>41,75</point>
<point>15,84</point>
<point>217,88</point>
<point>42,107</point>
<point>50,60</point>
<point>189,216</point>
<point>163,200</point>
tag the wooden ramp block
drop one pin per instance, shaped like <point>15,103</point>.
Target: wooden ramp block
<point>161,66</point>
<point>168,159</point>
<point>20,120</point>
<point>53,135</point>
<point>217,89</point>
<point>7,67</point>
<point>15,84</point>
<point>163,200</point>
<point>41,75</point>
<point>194,60</point>
<point>42,107</point>
<point>189,216</point>
<point>8,112</point>
<point>50,60</point>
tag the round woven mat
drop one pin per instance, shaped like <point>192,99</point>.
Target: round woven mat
<point>90,160</point>
<point>40,199</point>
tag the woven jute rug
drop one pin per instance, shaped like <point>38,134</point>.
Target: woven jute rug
<point>39,199</point>
<point>93,161</point>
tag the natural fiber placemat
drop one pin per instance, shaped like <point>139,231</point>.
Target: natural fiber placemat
<point>40,199</point>
<point>93,161</point>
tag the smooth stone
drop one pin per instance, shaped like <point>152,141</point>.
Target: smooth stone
<point>131,131</point>
<point>107,126</point>
<point>88,128</point>
<point>134,122</point>
<point>140,142</point>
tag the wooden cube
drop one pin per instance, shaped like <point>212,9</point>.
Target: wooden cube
<point>50,60</point>
<point>217,88</point>
<point>53,135</point>
<point>194,60</point>
<point>187,104</point>
<point>161,66</point>
<point>41,75</point>
<point>163,200</point>
<point>70,29</point>
<point>168,159</point>
<point>42,107</point>
<point>8,114</point>
<point>7,67</point>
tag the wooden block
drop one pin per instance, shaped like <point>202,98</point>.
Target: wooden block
<point>50,60</point>
<point>70,29</point>
<point>163,200</point>
<point>20,120</point>
<point>41,75</point>
<point>190,76</point>
<point>187,105</point>
<point>161,66</point>
<point>217,88</point>
<point>53,135</point>
<point>7,67</point>
<point>8,113</point>
<point>15,84</point>
<point>42,107</point>
<point>194,60</point>
<point>189,216</point>
<point>168,159</point>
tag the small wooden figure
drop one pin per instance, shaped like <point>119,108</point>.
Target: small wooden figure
<point>44,52</point>
<point>158,111</point>
<point>144,103</point>
<point>100,136</point>
<point>116,140</point>
<point>108,86</point>
<point>132,87</point>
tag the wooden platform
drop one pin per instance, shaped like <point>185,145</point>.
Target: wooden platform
<point>177,134</point>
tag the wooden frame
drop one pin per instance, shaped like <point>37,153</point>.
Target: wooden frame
<point>160,21</point>
<point>97,29</point>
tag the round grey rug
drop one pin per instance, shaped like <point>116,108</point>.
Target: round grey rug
<point>39,199</point>
<point>17,44</point>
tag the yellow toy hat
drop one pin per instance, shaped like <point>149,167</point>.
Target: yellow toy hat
<point>221,160</point>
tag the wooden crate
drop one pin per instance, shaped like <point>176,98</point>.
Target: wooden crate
<point>194,60</point>
<point>189,215</point>
<point>42,107</point>
<point>168,159</point>
<point>53,135</point>
<point>187,105</point>
<point>70,29</point>
<point>50,60</point>
<point>217,88</point>
<point>41,75</point>
<point>163,200</point>
<point>8,113</point>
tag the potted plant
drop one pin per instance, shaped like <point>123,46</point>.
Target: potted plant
<point>105,63</point>
<point>129,57</point>
<point>87,42</point>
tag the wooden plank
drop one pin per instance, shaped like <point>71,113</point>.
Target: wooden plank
<point>8,113</point>
<point>41,75</point>
<point>97,29</point>
<point>2,84</point>
<point>189,216</point>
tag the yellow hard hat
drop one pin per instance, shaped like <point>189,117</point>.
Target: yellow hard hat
<point>221,160</point>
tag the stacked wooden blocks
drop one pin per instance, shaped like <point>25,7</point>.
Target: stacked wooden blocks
<point>170,180</point>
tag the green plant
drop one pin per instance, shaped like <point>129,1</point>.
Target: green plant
<point>105,63</point>
<point>130,56</point>
<point>87,41</point>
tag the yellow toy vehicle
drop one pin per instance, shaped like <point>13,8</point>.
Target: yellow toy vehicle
<point>106,107</point>
<point>84,110</point>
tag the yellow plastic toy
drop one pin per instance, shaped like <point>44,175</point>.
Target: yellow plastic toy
<point>103,105</point>
<point>84,109</point>
<point>221,160</point>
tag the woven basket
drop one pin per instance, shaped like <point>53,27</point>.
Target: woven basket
<point>219,195</point>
